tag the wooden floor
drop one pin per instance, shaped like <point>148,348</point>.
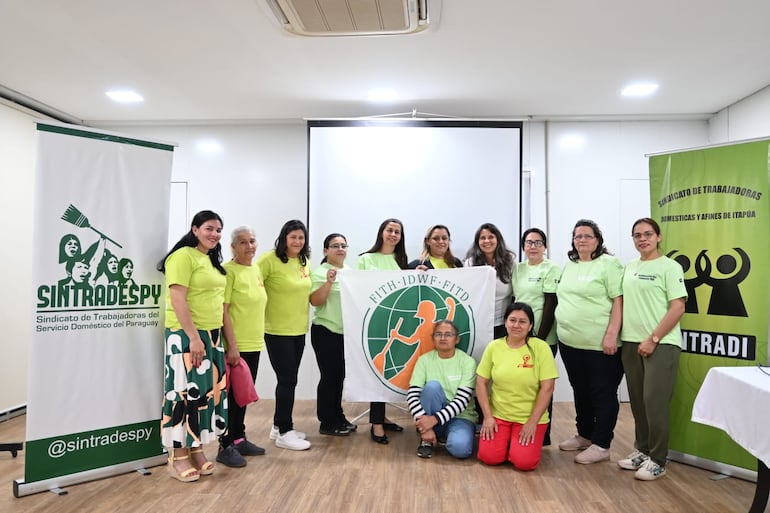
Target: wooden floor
<point>354,475</point>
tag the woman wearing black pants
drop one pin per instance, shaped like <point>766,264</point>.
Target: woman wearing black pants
<point>326,337</point>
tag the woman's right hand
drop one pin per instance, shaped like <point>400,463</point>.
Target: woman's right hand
<point>197,351</point>
<point>488,428</point>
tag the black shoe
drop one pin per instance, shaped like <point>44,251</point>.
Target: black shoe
<point>546,442</point>
<point>379,439</point>
<point>334,431</point>
<point>349,425</point>
<point>425,450</point>
<point>392,426</point>
<point>230,457</point>
<point>246,448</point>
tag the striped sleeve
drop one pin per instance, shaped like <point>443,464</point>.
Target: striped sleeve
<point>413,401</point>
<point>456,406</point>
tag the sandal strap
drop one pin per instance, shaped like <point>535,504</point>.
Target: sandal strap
<point>171,457</point>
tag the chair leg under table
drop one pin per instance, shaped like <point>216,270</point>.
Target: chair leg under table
<point>13,448</point>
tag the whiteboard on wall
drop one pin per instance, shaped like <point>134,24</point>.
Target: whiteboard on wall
<point>423,172</point>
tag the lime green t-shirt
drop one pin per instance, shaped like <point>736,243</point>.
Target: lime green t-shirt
<point>205,288</point>
<point>329,314</point>
<point>450,373</point>
<point>516,375</point>
<point>288,294</point>
<point>531,283</point>
<point>648,287</point>
<point>438,263</point>
<point>585,293</point>
<point>378,262</point>
<point>245,293</point>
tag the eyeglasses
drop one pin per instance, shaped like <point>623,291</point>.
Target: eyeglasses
<point>584,237</point>
<point>440,238</point>
<point>645,235</point>
<point>338,246</point>
<point>444,334</point>
<point>533,243</point>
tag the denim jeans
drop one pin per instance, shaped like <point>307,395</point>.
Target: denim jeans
<point>459,433</point>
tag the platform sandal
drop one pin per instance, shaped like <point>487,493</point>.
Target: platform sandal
<point>207,468</point>
<point>188,475</point>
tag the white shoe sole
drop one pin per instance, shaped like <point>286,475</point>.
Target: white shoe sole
<point>293,446</point>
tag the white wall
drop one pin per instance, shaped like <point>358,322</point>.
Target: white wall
<point>17,171</point>
<point>746,119</point>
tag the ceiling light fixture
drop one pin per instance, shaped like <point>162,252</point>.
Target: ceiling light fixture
<point>125,96</point>
<point>640,89</point>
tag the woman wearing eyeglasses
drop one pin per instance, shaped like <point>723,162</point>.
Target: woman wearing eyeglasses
<point>435,251</point>
<point>522,370</point>
<point>654,301</point>
<point>327,339</point>
<point>588,315</point>
<point>534,283</point>
<point>440,395</point>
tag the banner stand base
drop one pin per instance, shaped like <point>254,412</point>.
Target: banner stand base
<point>714,466</point>
<point>56,484</point>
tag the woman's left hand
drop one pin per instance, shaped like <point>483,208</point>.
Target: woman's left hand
<point>610,345</point>
<point>527,434</point>
<point>331,275</point>
<point>488,428</point>
<point>233,355</point>
<point>647,347</point>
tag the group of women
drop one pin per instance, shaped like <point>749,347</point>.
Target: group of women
<point>218,314</point>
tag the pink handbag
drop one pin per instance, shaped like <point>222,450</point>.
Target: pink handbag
<point>239,380</point>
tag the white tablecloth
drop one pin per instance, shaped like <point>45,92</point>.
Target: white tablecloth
<point>737,401</point>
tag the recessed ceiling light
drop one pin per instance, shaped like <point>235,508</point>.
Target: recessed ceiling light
<point>572,141</point>
<point>209,146</point>
<point>382,95</point>
<point>125,96</point>
<point>640,89</point>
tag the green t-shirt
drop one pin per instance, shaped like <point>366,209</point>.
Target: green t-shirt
<point>530,283</point>
<point>245,293</point>
<point>378,262</point>
<point>451,373</point>
<point>288,294</point>
<point>648,287</point>
<point>438,263</point>
<point>329,314</point>
<point>585,294</point>
<point>205,288</point>
<point>516,375</point>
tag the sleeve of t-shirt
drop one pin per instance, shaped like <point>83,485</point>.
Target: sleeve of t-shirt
<point>178,268</point>
<point>546,362</point>
<point>318,278</point>
<point>551,279</point>
<point>468,373</point>
<point>418,374</point>
<point>675,287</point>
<point>264,265</point>
<point>363,262</point>
<point>485,365</point>
<point>229,284</point>
<point>613,276</point>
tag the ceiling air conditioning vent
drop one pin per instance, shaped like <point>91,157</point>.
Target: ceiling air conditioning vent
<point>351,17</point>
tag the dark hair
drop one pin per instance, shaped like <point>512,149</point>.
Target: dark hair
<point>103,268</point>
<point>537,231</point>
<point>191,241</point>
<point>63,242</point>
<point>280,242</point>
<point>122,265</point>
<point>399,252</point>
<point>449,258</point>
<point>503,257</point>
<point>328,240</point>
<point>523,307</point>
<point>652,222</point>
<point>600,249</point>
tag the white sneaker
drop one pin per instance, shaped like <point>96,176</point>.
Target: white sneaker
<point>274,433</point>
<point>650,471</point>
<point>576,443</point>
<point>633,461</point>
<point>290,440</point>
<point>594,454</point>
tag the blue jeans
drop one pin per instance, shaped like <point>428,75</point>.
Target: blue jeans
<point>459,433</point>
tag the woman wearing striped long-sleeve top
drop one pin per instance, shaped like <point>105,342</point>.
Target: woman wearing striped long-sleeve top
<point>440,395</point>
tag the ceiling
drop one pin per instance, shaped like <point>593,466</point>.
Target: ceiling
<point>229,60</point>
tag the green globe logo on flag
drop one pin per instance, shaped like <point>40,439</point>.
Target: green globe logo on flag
<point>400,329</point>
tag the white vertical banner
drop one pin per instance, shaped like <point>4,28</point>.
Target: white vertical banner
<point>388,319</point>
<point>96,350</point>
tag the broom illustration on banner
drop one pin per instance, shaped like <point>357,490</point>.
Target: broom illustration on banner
<point>73,216</point>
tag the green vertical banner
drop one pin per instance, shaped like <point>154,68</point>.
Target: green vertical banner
<point>96,340</point>
<point>712,205</point>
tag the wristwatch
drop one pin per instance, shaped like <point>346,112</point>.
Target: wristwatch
<point>655,339</point>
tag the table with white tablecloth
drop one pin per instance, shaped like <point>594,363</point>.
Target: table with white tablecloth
<point>737,401</point>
